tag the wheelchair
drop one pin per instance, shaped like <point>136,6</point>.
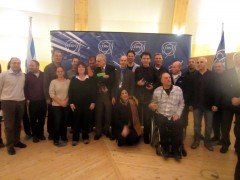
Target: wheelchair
<point>155,140</point>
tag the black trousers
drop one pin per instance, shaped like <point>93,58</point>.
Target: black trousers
<point>81,123</point>
<point>171,132</point>
<point>226,126</point>
<point>103,113</point>
<point>217,123</point>
<point>26,122</point>
<point>70,118</point>
<point>237,145</point>
<point>60,115</point>
<point>49,119</point>
<point>145,115</point>
<point>37,113</point>
<point>184,116</point>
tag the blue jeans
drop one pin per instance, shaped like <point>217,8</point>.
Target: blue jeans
<point>208,118</point>
<point>59,123</point>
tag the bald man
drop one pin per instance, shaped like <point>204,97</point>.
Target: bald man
<point>13,101</point>
<point>204,102</point>
<point>124,78</point>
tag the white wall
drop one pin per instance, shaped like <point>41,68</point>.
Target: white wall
<point>150,16</point>
<point>46,15</point>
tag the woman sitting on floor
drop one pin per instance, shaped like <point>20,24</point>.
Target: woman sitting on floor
<point>126,120</point>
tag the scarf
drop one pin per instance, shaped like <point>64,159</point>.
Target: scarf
<point>135,117</point>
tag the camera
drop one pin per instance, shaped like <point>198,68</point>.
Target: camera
<point>146,83</point>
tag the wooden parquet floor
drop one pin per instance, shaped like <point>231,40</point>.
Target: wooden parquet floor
<point>103,159</point>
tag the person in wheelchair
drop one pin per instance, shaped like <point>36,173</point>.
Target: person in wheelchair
<point>127,127</point>
<point>168,104</point>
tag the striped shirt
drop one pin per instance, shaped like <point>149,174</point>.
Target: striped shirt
<point>169,105</point>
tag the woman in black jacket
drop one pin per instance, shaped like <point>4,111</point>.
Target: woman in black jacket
<point>126,120</point>
<point>82,97</point>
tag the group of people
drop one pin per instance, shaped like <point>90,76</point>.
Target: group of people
<point>118,101</point>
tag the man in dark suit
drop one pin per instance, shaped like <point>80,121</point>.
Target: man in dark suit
<point>105,76</point>
<point>124,78</point>
<point>230,103</point>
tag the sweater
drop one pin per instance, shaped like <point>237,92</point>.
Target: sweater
<point>59,89</point>
<point>12,86</point>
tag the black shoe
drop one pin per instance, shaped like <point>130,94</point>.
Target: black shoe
<point>165,153</point>
<point>184,152</point>
<point>223,149</point>
<point>42,137</point>
<point>177,155</point>
<point>35,139</point>
<point>97,137</point>
<point>20,145</point>
<point>146,140</point>
<point>11,151</point>
<point>1,143</point>
<point>50,137</point>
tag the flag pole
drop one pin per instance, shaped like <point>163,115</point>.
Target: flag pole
<point>30,21</point>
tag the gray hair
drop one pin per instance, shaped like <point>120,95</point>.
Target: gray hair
<point>103,56</point>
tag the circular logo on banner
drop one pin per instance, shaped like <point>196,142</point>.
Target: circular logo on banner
<point>220,56</point>
<point>138,47</point>
<point>105,46</point>
<point>169,49</point>
<point>72,45</point>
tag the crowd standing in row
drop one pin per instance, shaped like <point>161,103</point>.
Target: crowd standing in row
<point>118,102</point>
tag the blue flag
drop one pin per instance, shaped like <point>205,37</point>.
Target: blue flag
<point>31,55</point>
<point>220,55</point>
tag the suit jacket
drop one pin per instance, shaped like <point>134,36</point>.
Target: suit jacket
<point>108,82</point>
<point>127,82</point>
<point>230,89</point>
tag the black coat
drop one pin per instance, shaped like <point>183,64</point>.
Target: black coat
<point>109,82</point>
<point>230,89</point>
<point>211,94</point>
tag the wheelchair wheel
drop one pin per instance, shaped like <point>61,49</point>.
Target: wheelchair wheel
<point>159,150</point>
<point>154,134</point>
